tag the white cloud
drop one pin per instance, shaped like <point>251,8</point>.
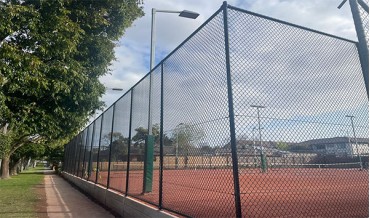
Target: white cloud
<point>316,14</point>
<point>133,54</point>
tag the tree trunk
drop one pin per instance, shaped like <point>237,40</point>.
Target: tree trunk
<point>14,167</point>
<point>21,167</point>
<point>5,167</point>
<point>6,158</point>
<point>27,164</point>
<point>17,166</point>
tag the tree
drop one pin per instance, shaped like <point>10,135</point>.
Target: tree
<point>21,157</point>
<point>52,54</point>
<point>119,146</point>
<point>186,136</point>
<point>282,146</point>
<point>54,155</point>
<point>142,133</point>
<point>140,136</point>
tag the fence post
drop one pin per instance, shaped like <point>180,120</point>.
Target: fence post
<point>160,205</point>
<point>90,156</point>
<point>76,155</point>
<point>98,156</point>
<point>110,145</point>
<point>129,143</point>
<point>84,166</point>
<point>65,158</point>
<point>79,154</point>
<point>362,48</point>
<point>70,156</point>
<point>73,153</point>
<point>231,116</point>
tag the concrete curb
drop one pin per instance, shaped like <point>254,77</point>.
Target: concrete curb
<point>117,202</point>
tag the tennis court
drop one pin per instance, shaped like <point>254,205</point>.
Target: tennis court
<point>279,103</point>
<point>310,189</point>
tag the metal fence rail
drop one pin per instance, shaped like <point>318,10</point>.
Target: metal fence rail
<point>251,117</point>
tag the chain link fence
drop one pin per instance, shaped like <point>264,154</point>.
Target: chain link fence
<point>250,116</point>
<point>365,20</point>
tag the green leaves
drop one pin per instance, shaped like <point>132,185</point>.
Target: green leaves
<point>52,54</point>
<point>282,146</point>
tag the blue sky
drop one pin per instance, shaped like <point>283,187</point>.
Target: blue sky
<point>323,78</point>
<point>133,49</point>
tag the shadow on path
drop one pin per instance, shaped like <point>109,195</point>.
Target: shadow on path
<point>63,200</point>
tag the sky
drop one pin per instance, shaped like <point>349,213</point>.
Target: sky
<point>307,81</point>
<point>133,49</point>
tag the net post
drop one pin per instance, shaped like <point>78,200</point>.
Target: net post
<point>238,212</point>
<point>263,163</point>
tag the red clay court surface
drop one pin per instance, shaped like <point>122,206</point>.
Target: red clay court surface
<point>294,192</point>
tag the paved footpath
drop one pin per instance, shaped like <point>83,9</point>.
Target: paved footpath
<point>63,200</point>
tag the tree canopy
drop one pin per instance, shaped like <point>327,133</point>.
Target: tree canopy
<point>52,54</point>
<point>186,136</point>
<point>282,146</point>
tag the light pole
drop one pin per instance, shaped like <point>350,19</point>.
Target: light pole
<point>178,129</point>
<point>185,14</point>
<point>254,141</point>
<point>149,150</point>
<point>254,147</point>
<point>346,134</point>
<point>354,136</point>
<point>106,89</point>
<point>263,158</point>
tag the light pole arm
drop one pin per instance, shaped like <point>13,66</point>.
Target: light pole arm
<point>167,11</point>
<point>184,13</point>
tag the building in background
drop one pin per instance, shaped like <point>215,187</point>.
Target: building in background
<point>339,146</point>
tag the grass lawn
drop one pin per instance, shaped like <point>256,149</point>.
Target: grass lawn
<point>18,195</point>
